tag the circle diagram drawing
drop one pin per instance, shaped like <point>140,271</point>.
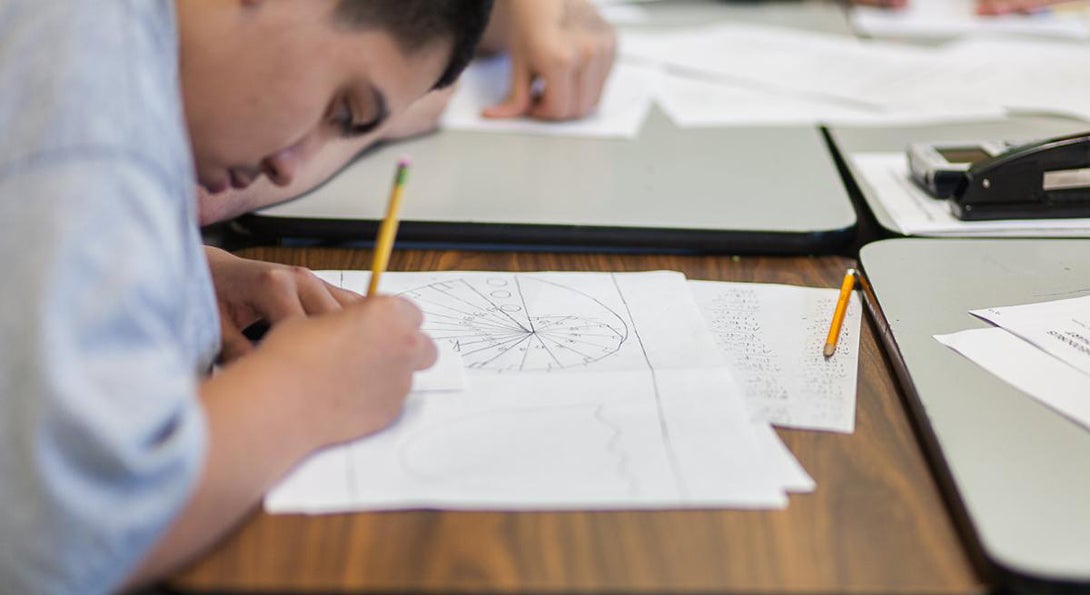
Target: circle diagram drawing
<point>520,324</point>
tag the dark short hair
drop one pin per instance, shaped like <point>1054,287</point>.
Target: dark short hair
<point>416,23</point>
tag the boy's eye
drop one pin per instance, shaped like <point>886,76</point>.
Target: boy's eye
<point>345,120</point>
<point>343,117</point>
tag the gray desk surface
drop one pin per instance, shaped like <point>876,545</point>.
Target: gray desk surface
<point>1021,472</point>
<point>856,139</point>
<point>773,189</point>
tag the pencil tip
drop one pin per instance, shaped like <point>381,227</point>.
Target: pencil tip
<point>829,350</point>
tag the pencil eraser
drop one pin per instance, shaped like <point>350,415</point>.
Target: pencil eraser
<point>404,161</point>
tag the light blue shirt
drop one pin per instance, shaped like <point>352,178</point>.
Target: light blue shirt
<point>107,314</point>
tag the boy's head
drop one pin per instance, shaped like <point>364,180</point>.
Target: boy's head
<point>267,82</point>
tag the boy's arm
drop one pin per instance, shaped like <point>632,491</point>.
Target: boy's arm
<point>312,383</point>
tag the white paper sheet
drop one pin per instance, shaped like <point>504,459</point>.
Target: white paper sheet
<point>586,391</point>
<point>624,14</point>
<point>914,212</point>
<point>871,81</point>
<point>621,112</point>
<point>693,102</point>
<point>773,337</point>
<point>1061,328</point>
<point>1023,75</point>
<point>781,460</point>
<point>949,18</point>
<point>875,77</point>
<point>1027,368</point>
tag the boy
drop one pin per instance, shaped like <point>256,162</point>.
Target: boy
<point>119,457</point>
<point>565,45</point>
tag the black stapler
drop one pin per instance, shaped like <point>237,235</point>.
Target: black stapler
<point>1040,180</point>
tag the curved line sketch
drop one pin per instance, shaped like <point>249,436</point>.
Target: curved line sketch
<point>518,324</point>
<point>491,450</point>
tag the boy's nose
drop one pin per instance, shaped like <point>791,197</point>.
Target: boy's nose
<point>282,166</point>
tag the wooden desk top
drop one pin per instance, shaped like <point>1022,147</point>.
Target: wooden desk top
<point>875,524</point>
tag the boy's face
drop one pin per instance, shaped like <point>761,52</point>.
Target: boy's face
<point>266,83</point>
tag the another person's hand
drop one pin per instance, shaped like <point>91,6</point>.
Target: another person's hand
<point>561,51</point>
<point>983,7</point>
<point>357,364</point>
<point>997,7</point>
<point>249,291</point>
<point>882,3</point>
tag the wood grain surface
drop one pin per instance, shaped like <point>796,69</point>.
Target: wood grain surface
<point>876,523</point>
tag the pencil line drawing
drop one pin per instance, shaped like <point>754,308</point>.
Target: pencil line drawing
<point>520,324</point>
<point>453,454</point>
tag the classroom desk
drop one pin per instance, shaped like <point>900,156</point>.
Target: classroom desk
<point>876,523</point>
<point>1015,469</point>
<point>708,190</point>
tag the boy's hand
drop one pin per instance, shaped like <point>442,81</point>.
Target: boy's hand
<point>355,366</point>
<point>563,43</point>
<point>250,290</point>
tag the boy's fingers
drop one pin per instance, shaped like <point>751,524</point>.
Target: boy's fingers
<point>343,296</point>
<point>408,312</point>
<point>317,299</point>
<point>427,355</point>
<point>235,344</point>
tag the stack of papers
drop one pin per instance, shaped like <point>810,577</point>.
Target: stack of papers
<point>595,391</point>
<point>761,71</point>
<point>1041,349</point>
<point>915,212</point>
<point>734,74</point>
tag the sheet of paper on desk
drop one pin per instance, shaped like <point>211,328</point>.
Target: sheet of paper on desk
<point>585,391</point>
<point>693,102</point>
<point>876,77</point>
<point>949,18</point>
<point>1024,75</point>
<point>915,212</point>
<point>1061,328</point>
<point>620,13</point>
<point>844,80</point>
<point>773,337</point>
<point>625,103</point>
<point>1027,368</point>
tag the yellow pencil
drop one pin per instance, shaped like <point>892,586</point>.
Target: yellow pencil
<point>838,316</point>
<point>387,231</point>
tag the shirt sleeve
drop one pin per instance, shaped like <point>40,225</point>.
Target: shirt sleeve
<point>102,435</point>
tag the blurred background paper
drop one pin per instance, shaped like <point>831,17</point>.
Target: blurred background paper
<point>953,18</point>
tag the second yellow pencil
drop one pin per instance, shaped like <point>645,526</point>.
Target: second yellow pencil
<point>838,316</point>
